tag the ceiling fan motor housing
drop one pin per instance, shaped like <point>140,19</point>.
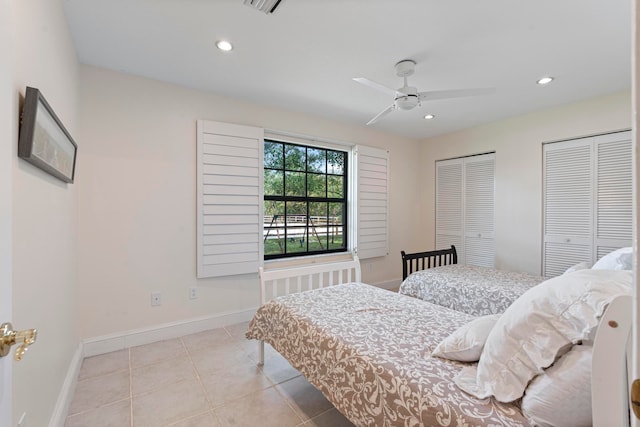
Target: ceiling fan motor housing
<point>409,100</point>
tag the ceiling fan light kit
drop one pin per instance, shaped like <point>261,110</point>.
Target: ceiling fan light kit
<point>408,97</point>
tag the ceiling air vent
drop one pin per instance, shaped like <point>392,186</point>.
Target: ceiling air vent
<point>267,6</point>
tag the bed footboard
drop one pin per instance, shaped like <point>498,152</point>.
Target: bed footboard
<point>422,260</point>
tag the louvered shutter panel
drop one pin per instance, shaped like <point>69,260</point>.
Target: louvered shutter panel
<point>372,182</point>
<point>568,205</point>
<point>229,175</point>
<point>449,198</point>
<point>479,185</point>
<point>614,206</point>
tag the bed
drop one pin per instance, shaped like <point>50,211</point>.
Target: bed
<point>435,276</point>
<point>369,351</point>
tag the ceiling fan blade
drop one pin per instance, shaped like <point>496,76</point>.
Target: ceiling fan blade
<point>455,93</point>
<point>383,113</point>
<point>377,86</point>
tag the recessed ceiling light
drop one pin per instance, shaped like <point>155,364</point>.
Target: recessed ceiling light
<point>545,80</point>
<point>429,116</point>
<point>224,45</point>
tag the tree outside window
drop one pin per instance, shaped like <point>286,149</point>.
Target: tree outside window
<point>305,200</point>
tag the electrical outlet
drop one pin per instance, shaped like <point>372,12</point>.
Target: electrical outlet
<point>193,293</point>
<point>156,299</point>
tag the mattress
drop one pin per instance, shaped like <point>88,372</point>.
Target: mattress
<point>473,290</point>
<point>368,351</point>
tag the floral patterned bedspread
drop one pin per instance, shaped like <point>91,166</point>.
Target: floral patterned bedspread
<point>368,351</point>
<point>473,290</point>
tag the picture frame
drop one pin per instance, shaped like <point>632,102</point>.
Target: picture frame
<point>44,141</point>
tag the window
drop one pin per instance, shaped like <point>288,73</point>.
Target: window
<point>305,200</point>
<point>275,196</point>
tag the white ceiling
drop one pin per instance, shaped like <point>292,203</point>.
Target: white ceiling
<point>303,57</point>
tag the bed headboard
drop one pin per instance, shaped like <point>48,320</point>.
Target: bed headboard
<point>284,281</point>
<point>423,260</point>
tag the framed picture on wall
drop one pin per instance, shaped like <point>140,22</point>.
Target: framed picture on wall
<point>44,141</point>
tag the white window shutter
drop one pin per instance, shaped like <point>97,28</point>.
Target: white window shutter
<point>372,192</point>
<point>449,205</point>
<point>479,205</point>
<point>229,181</point>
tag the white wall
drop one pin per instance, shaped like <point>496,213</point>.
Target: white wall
<point>518,146</point>
<point>44,215</point>
<point>137,202</point>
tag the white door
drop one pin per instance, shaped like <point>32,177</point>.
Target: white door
<point>465,189</point>
<point>449,206</point>
<point>587,199</point>
<point>7,138</point>
<point>479,207</point>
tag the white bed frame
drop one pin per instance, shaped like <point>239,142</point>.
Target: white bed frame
<point>609,373</point>
<point>609,379</point>
<point>285,281</point>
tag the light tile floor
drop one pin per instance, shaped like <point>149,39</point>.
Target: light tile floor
<point>208,379</point>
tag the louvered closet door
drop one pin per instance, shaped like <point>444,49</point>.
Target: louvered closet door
<point>568,205</point>
<point>614,206</point>
<point>479,190</point>
<point>449,205</point>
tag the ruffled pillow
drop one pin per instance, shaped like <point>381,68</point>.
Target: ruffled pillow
<point>537,327</point>
<point>617,260</point>
<point>467,342</point>
<point>561,396</point>
<point>579,266</point>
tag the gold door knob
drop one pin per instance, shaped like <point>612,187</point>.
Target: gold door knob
<point>9,337</point>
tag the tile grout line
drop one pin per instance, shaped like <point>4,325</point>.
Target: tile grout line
<point>198,377</point>
<point>96,408</point>
<point>287,401</point>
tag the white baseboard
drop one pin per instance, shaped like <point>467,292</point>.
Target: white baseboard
<point>135,337</point>
<point>65,396</point>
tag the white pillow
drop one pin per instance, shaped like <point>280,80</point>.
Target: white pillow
<point>534,330</point>
<point>579,266</point>
<point>617,260</point>
<point>466,343</point>
<point>561,396</point>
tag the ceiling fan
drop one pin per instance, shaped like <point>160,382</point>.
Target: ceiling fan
<point>408,97</point>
